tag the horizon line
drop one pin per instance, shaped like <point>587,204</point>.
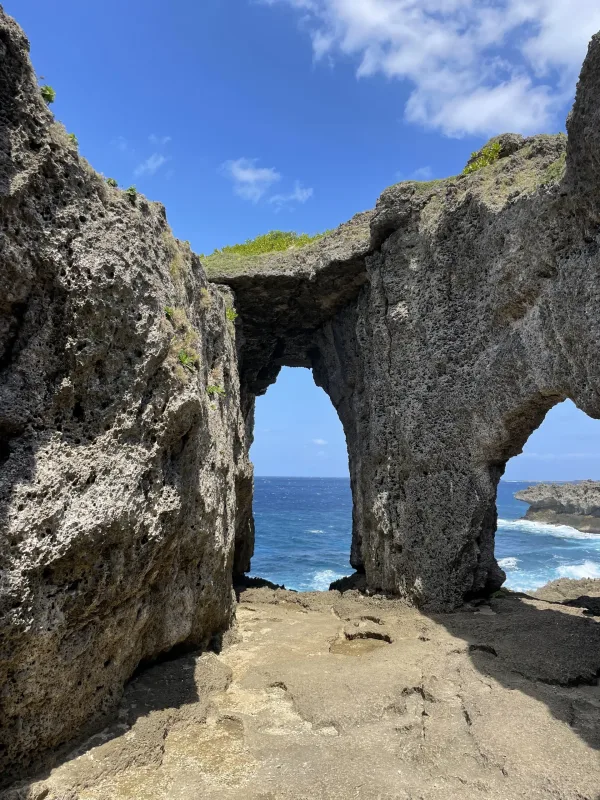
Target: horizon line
<point>502,480</point>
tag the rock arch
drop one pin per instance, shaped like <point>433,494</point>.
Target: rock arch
<point>443,326</point>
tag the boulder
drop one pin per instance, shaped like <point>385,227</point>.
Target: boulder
<point>118,470</point>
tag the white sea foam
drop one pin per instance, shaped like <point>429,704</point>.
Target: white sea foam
<point>315,530</point>
<point>321,580</point>
<point>528,583</point>
<point>509,563</point>
<point>544,529</point>
<point>589,569</point>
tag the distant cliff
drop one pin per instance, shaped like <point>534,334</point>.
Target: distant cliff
<point>574,504</point>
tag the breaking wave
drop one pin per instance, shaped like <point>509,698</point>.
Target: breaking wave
<point>322,579</point>
<point>544,529</point>
<point>589,569</point>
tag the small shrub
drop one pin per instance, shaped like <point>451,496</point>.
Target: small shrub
<point>112,182</point>
<point>48,94</point>
<point>169,312</point>
<point>132,193</point>
<point>188,359</point>
<point>231,314</point>
<point>483,158</point>
<point>73,139</point>
<point>215,390</point>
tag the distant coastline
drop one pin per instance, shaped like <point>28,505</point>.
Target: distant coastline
<point>576,504</point>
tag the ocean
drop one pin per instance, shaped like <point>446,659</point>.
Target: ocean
<point>303,532</point>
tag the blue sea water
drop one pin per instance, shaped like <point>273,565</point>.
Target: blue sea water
<point>303,531</point>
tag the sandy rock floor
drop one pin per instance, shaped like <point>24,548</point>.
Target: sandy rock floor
<point>332,696</point>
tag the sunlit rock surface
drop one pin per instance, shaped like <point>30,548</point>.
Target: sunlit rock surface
<point>328,697</point>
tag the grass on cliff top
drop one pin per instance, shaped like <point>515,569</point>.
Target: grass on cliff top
<point>231,256</point>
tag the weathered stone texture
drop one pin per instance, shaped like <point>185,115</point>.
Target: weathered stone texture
<point>117,469</point>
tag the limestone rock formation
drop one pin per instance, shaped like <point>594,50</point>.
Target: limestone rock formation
<point>442,334</point>
<point>443,326</point>
<point>118,471</point>
<point>574,504</point>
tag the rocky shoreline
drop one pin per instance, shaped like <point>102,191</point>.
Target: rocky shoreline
<point>574,504</point>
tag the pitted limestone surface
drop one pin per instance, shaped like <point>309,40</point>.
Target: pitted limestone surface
<point>573,504</point>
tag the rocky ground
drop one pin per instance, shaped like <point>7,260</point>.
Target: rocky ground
<point>325,695</point>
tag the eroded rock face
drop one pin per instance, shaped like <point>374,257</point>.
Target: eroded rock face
<point>118,470</point>
<point>574,504</point>
<point>471,310</point>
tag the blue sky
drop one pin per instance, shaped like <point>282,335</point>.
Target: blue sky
<point>298,433</point>
<point>246,115</point>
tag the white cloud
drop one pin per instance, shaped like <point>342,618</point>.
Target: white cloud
<point>151,165</point>
<point>249,180</point>
<point>121,144</point>
<point>422,174</point>
<point>474,67</point>
<point>300,195</point>
<point>159,141</point>
<point>419,174</point>
<point>319,442</point>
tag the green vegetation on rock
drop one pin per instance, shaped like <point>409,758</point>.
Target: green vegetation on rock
<point>188,359</point>
<point>131,193</point>
<point>215,390</point>
<point>48,94</point>
<point>182,350</point>
<point>177,262</point>
<point>556,170</point>
<point>272,242</point>
<point>112,182</point>
<point>73,139</point>
<point>483,158</point>
<point>425,186</point>
<point>205,298</point>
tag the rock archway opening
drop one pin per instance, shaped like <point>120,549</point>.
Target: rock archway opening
<point>548,503</point>
<point>302,502</point>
